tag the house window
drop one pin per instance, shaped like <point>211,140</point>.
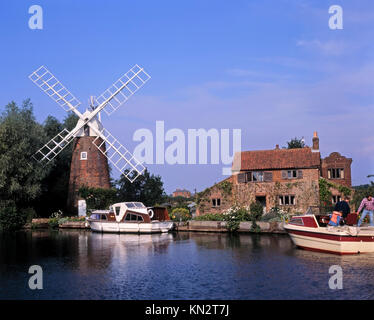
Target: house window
<point>216,202</point>
<point>336,199</point>
<point>292,174</point>
<point>335,173</point>
<point>287,200</point>
<point>83,155</point>
<point>255,176</point>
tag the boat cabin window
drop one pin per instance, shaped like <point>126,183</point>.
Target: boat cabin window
<point>95,216</point>
<point>103,217</point>
<point>139,205</point>
<point>133,217</point>
<point>117,210</point>
<point>297,221</point>
<point>135,205</point>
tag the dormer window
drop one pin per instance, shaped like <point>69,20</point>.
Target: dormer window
<point>84,155</point>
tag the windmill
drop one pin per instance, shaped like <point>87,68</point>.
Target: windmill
<point>89,166</point>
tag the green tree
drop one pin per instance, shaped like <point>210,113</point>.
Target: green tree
<point>55,184</point>
<point>180,214</point>
<point>98,198</point>
<point>20,177</point>
<point>147,188</point>
<point>178,201</point>
<point>295,143</point>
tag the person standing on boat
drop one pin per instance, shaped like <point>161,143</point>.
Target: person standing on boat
<point>368,205</point>
<point>343,207</point>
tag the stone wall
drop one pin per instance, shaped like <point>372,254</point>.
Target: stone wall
<point>305,190</point>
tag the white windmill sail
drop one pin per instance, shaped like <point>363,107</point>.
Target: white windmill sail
<point>118,155</point>
<point>54,146</point>
<point>109,101</point>
<point>46,81</point>
<point>121,90</point>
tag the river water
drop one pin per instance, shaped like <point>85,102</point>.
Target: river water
<point>86,265</point>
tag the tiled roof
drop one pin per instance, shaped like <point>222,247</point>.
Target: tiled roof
<point>181,190</point>
<point>276,159</point>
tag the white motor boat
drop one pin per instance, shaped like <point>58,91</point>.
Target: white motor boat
<point>128,217</point>
<point>309,233</point>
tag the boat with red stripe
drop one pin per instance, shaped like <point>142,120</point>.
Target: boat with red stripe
<point>312,232</point>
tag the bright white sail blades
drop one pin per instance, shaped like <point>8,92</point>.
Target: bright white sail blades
<point>109,101</point>
<point>121,90</point>
<point>46,81</point>
<point>53,147</point>
<point>118,155</point>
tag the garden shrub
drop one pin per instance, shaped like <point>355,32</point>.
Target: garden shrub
<point>180,214</point>
<point>12,219</point>
<point>256,211</point>
<point>211,217</point>
<point>234,216</point>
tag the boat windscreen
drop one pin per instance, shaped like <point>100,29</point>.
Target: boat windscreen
<point>135,205</point>
<point>139,205</point>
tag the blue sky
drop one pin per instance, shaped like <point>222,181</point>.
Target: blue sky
<point>274,69</point>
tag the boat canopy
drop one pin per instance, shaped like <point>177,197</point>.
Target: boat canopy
<point>134,205</point>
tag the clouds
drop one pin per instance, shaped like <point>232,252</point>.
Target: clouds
<point>331,47</point>
<point>339,106</point>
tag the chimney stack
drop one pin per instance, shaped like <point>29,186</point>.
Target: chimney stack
<point>315,147</point>
<point>277,147</point>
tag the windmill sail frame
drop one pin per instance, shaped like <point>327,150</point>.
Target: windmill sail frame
<point>109,101</point>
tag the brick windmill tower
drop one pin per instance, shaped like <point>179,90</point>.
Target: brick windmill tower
<point>89,165</point>
<point>93,144</point>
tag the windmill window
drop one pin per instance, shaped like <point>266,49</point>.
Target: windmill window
<point>83,155</point>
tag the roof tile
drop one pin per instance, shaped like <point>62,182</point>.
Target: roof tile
<point>276,159</point>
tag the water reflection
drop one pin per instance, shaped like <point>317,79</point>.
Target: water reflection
<point>86,265</point>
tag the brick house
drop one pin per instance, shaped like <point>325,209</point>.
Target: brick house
<point>286,178</point>
<point>182,193</point>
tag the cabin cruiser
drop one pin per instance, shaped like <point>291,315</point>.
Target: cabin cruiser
<point>129,217</point>
<point>312,232</point>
